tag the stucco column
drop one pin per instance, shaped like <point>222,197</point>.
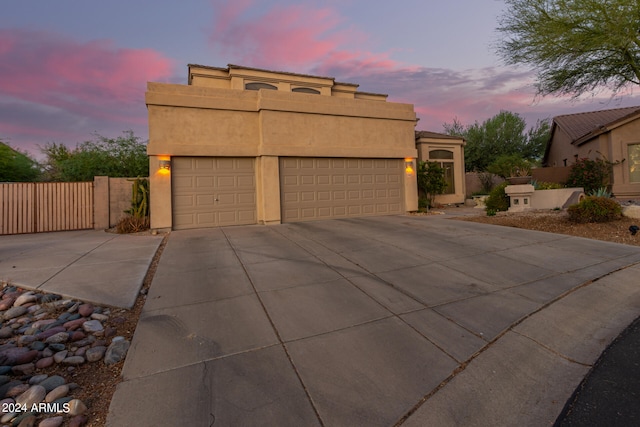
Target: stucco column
<point>268,189</point>
<point>100,202</point>
<point>410,186</point>
<point>160,194</point>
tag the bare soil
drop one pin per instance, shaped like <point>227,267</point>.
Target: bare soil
<point>558,222</point>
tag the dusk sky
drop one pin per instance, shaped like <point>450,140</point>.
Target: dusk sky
<point>70,68</point>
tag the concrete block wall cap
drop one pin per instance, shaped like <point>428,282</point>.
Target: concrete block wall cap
<point>631,212</point>
<point>519,189</point>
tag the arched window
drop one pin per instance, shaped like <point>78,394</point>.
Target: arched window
<point>305,90</point>
<point>445,159</point>
<point>258,86</point>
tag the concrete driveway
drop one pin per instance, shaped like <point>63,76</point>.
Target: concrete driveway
<point>375,321</point>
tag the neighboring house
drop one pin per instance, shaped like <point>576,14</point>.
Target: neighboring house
<point>448,151</point>
<point>241,145</point>
<point>614,134</point>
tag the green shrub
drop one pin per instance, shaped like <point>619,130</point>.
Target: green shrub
<point>590,174</point>
<point>546,185</point>
<point>423,203</point>
<point>498,199</point>
<point>510,165</point>
<point>595,209</point>
<point>431,180</point>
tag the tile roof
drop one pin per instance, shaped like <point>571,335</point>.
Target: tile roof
<point>427,134</point>
<point>584,126</point>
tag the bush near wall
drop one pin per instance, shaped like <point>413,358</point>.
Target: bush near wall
<point>498,199</point>
<point>595,209</point>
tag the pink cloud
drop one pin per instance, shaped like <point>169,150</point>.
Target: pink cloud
<point>94,79</point>
<point>298,37</point>
<point>308,39</point>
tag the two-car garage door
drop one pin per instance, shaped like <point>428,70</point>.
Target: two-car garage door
<point>218,191</point>
<point>323,188</point>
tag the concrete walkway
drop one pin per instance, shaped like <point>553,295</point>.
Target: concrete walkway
<point>406,320</point>
<point>94,266</point>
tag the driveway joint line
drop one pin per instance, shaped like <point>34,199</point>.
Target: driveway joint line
<point>466,363</point>
<point>391,312</point>
<point>277,333</point>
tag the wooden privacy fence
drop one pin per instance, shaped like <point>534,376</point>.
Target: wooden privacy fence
<point>36,207</point>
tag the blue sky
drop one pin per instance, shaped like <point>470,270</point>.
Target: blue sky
<point>72,68</point>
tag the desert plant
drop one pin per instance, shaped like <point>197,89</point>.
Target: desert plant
<point>498,199</point>
<point>491,212</point>
<point>137,218</point>
<point>431,180</point>
<point>595,209</point>
<point>132,224</point>
<point>590,174</point>
<point>600,192</point>
<point>139,198</point>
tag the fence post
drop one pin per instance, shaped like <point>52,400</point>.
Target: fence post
<point>100,202</point>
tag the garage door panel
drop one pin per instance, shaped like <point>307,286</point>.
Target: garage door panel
<point>213,191</point>
<point>182,182</point>
<point>323,179</point>
<point>324,196</point>
<point>246,181</point>
<point>202,163</point>
<point>341,188</point>
<point>203,201</point>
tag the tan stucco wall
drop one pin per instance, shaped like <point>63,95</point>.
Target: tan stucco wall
<point>160,198</point>
<point>620,138</point>
<point>425,145</point>
<point>561,150</point>
<point>613,145</point>
<point>265,124</point>
<point>112,196</point>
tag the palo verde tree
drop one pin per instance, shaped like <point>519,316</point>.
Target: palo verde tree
<point>124,156</point>
<point>504,134</point>
<point>575,46</point>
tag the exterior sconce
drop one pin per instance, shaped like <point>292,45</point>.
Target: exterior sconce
<point>408,167</point>
<point>165,165</point>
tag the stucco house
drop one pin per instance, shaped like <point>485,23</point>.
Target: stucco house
<point>240,145</point>
<point>448,151</point>
<point>614,134</point>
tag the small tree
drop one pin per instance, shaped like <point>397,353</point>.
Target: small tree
<point>16,166</point>
<point>505,165</point>
<point>576,46</point>
<point>431,181</point>
<point>124,156</point>
<point>504,134</point>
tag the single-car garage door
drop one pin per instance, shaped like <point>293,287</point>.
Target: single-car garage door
<point>213,191</point>
<point>323,188</point>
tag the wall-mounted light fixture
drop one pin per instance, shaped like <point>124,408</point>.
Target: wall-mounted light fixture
<point>165,164</point>
<point>408,167</point>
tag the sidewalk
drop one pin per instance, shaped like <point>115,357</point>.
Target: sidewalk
<point>94,266</point>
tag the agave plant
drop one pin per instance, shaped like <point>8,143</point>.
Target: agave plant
<point>600,192</point>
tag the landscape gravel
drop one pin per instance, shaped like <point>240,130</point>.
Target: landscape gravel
<point>44,338</point>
